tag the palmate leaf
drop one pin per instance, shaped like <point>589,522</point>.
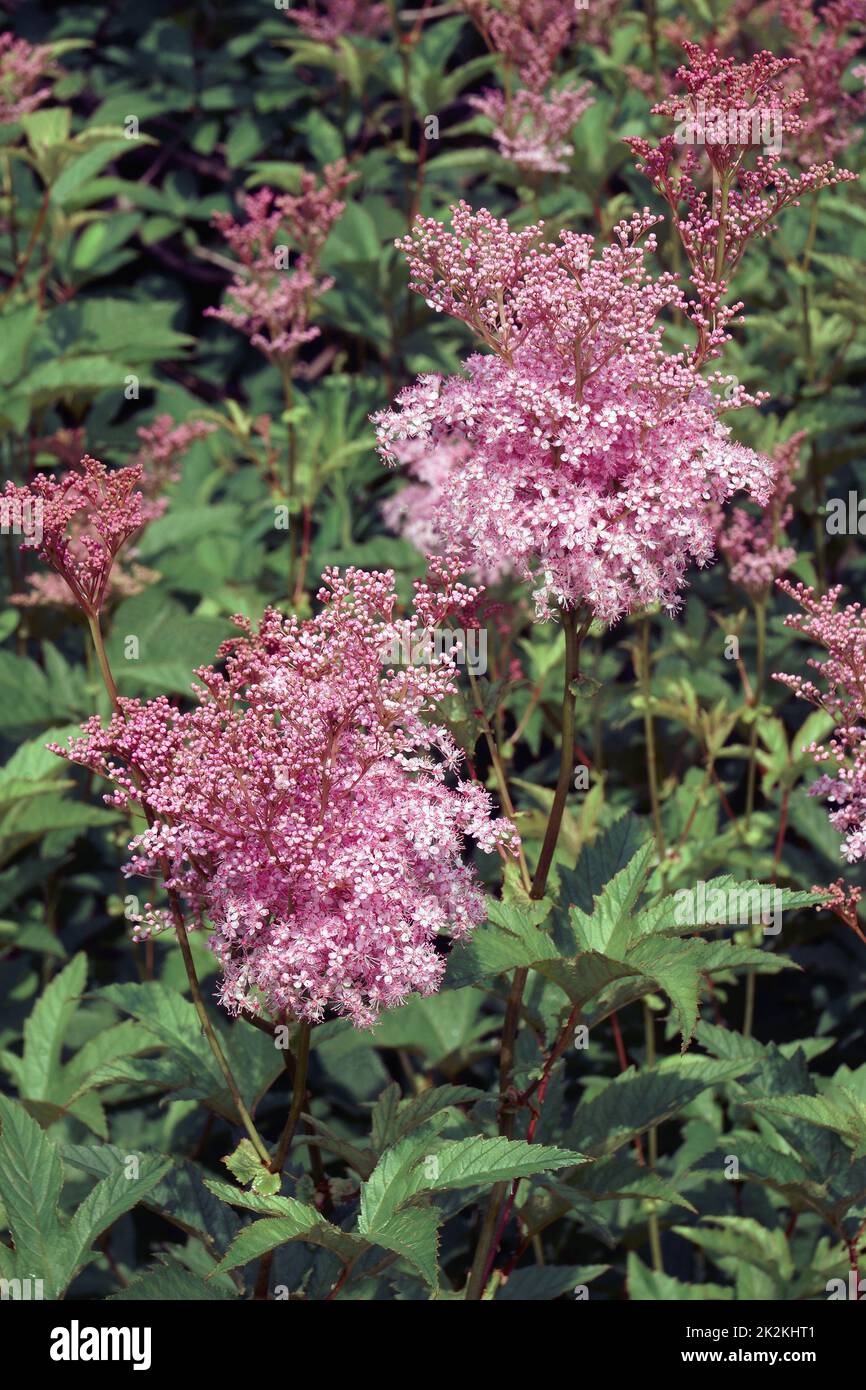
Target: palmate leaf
<point>47,1245</point>
<point>172,1023</point>
<point>418,1165</point>
<point>395,1213</point>
<point>611,939</point>
<point>411,1234</point>
<point>180,1197</point>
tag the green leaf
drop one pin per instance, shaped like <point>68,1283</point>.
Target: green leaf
<point>542,1283</point>
<point>415,1166</point>
<point>247,1167</point>
<point>635,1101</point>
<point>647,1285</point>
<point>296,1221</point>
<point>31,1180</point>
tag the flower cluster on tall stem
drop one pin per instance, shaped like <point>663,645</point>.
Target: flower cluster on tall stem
<point>825,44</point>
<point>326,21</point>
<point>276,285</point>
<point>531,122</point>
<point>275,290</point>
<point>594,454</point>
<point>307,808</point>
<point>23,70</point>
<point>84,524</point>
<point>721,172</point>
<point>81,522</point>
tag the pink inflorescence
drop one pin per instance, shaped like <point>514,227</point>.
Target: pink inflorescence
<point>329,20</point>
<point>755,546</point>
<point>594,456</point>
<point>307,807</point>
<point>23,66</point>
<point>418,510</point>
<point>79,523</point>
<point>88,532</point>
<point>532,130</point>
<point>824,45</point>
<point>741,116</point>
<point>531,125</point>
<point>274,291</point>
<point>163,446</point>
<point>842,633</point>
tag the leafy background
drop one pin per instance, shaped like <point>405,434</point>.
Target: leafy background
<point>115,1122</point>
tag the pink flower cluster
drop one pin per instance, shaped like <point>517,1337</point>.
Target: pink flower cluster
<point>329,20</point>
<point>843,635</point>
<point>87,517</point>
<point>754,546</point>
<point>824,46</point>
<point>307,808</point>
<point>731,111</point>
<point>594,455</point>
<point>80,523</point>
<point>533,130</point>
<point>532,124</point>
<point>22,67</point>
<point>419,509</point>
<point>277,283</point>
<point>163,446</point>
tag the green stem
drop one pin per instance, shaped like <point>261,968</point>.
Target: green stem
<point>299,1092</point>
<point>751,781</point>
<point>498,770</point>
<point>760,670</point>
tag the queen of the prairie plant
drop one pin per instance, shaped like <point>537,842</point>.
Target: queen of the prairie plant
<point>842,633</point>
<point>531,123</point>
<point>306,808</point>
<point>23,67</point>
<point>88,519</point>
<point>277,283</point>
<point>594,454</point>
